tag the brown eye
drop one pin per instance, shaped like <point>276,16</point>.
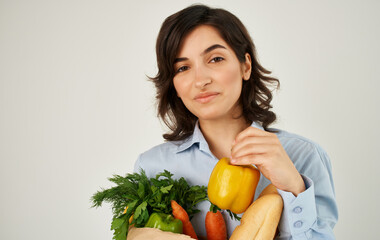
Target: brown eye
<point>182,69</point>
<point>217,59</point>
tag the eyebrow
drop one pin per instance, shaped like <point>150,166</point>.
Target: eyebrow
<point>215,46</point>
<point>207,50</point>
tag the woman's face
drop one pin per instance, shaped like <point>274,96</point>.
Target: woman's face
<point>209,76</point>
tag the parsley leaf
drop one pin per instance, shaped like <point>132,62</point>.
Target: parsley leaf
<point>143,196</point>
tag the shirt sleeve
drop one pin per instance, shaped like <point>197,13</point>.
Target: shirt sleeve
<point>313,213</point>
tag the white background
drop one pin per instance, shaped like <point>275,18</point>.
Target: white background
<point>76,106</point>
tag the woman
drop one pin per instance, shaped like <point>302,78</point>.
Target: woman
<point>212,94</point>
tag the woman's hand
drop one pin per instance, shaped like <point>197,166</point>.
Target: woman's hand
<point>264,150</point>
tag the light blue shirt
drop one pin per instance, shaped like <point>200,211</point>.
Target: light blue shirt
<point>310,215</point>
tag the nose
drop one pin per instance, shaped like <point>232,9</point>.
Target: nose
<point>202,78</point>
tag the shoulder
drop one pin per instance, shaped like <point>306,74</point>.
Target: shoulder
<point>294,140</point>
<point>302,148</point>
<point>163,148</point>
<point>158,156</point>
<point>159,151</point>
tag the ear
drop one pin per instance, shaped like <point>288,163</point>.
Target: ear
<point>247,67</point>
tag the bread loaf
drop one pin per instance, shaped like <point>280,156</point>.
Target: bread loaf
<point>260,220</point>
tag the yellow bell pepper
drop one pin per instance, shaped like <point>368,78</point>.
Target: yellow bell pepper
<point>232,187</point>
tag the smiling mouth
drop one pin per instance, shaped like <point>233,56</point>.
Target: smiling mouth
<point>206,97</point>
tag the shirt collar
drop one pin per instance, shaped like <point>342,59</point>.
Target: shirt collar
<point>257,125</point>
<point>198,138</point>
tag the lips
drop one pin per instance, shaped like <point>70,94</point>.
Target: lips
<point>206,97</point>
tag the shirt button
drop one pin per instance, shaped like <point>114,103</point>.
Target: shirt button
<point>298,224</point>
<point>297,210</point>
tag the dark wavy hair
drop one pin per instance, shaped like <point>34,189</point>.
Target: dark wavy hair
<point>255,96</point>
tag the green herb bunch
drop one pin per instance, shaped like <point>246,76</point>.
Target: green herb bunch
<point>143,196</point>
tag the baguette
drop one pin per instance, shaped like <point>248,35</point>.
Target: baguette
<point>270,189</point>
<point>260,220</point>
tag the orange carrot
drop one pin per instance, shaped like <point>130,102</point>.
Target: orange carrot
<point>215,226</point>
<point>181,214</point>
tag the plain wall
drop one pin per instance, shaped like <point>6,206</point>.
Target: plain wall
<point>76,105</point>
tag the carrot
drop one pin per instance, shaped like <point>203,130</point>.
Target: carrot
<point>181,214</point>
<point>215,226</point>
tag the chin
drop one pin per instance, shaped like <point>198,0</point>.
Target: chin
<point>209,116</point>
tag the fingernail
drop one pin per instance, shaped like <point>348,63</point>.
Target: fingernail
<point>233,160</point>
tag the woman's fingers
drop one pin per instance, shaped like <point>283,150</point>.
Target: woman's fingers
<point>255,159</point>
<point>252,149</point>
<point>251,140</point>
<point>264,149</point>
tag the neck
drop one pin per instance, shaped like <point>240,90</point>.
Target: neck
<point>220,134</point>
